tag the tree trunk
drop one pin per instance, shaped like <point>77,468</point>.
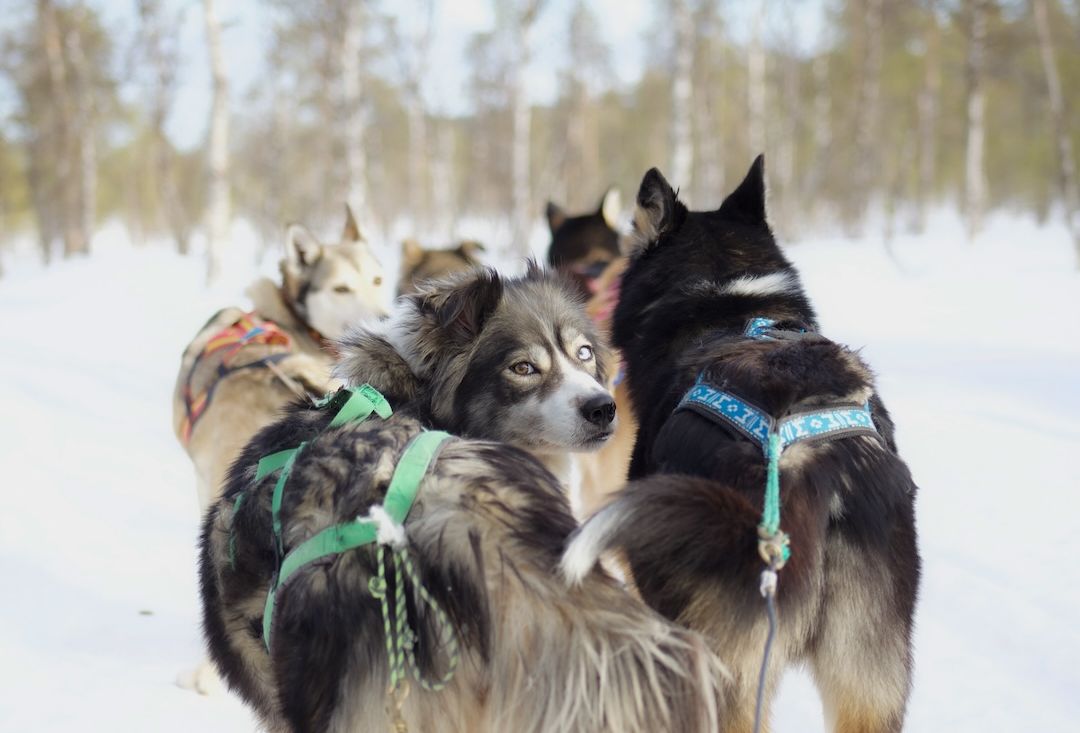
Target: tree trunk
<point>682,141</point>
<point>70,208</point>
<point>521,116</point>
<point>868,116</point>
<point>818,172</point>
<point>974,168</point>
<point>442,177</point>
<point>755,64</point>
<point>353,117</point>
<point>154,26</point>
<point>928,103</point>
<point>85,132</point>
<point>418,156</point>
<point>219,214</point>
<point>1070,194</point>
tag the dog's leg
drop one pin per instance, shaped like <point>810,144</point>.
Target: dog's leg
<point>861,661</point>
<point>203,678</point>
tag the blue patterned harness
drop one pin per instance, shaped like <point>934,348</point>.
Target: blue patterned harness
<point>753,422</point>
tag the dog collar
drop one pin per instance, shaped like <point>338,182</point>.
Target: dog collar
<point>840,421</point>
<point>761,328</point>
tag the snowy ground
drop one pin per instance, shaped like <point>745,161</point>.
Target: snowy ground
<point>979,361</point>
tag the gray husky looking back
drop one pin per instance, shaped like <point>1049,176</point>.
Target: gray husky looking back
<point>485,358</point>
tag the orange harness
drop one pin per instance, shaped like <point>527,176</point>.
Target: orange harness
<point>247,330</point>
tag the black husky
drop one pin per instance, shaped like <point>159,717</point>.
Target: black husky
<point>583,246</point>
<point>713,321</point>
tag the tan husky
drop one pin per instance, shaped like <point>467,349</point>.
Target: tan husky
<point>242,367</point>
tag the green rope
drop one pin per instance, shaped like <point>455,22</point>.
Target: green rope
<point>400,640</point>
<point>773,543</point>
<point>770,517</point>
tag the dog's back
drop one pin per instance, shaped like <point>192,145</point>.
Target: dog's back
<point>485,533</point>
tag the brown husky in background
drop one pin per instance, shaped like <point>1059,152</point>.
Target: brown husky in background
<point>419,264</point>
<point>242,368</point>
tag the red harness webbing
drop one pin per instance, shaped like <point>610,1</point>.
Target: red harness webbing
<point>247,330</point>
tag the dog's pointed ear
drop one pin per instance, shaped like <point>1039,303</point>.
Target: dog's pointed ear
<point>470,249</point>
<point>747,202</point>
<point>654,214</point>
<point>302,249</point>
<point>555,215</point>
<point>411,252</point>
<point>464,310</point>
<point>611,207</point>
<point>351,234</point>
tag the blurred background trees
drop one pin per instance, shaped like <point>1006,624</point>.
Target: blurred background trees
<point>887,110</point>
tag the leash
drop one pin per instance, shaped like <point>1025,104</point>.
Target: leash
<point>774,436</point>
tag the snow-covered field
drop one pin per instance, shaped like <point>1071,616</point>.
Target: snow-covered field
<point>978,355</point>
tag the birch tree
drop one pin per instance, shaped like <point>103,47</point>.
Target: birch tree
<point>928,104</point>
<point>588,65</point>
<point>868,112</point>
<point>1067,163</point>
<point>755,66</point>
<point>412,49</point>
<point>974,165</point>
<point>218,190</point>
<point>521,21</point>
<point>682,141</point>
<point>708,80</point>
<point>158,41</point>
<point>69,211</point>
<point>351,129</point>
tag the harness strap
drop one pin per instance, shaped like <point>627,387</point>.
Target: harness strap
<point>400,496</point>
<point>353,405</point>
<point>247,329</point>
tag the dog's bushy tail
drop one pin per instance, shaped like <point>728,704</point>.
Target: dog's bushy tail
<point>671,523</point>
<point>594,658</point>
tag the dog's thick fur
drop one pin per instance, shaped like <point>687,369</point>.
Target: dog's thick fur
<point>322,288</point>
<point>687,524</point>
<point>419,264</point>
<point>486,534</point>
<point>587,249</point>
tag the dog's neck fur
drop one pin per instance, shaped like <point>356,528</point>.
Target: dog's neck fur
<point>269,301</point>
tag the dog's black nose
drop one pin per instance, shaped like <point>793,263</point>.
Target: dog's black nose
<point>600,411</point>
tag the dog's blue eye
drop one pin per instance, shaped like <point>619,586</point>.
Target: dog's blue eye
<point>585,353</point>
<point>524,369</point>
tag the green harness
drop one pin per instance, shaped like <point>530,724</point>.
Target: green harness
<point>384,526</point>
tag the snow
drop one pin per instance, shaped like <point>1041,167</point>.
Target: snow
<point>978,359</point>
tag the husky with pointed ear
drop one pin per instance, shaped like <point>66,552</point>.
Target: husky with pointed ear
<point>486,358</point>
<point>243,367</point>
<point>583,246</point>
<point>419,264</point>
<point>726,368</point>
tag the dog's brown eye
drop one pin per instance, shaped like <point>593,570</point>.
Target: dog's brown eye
<point>585,353</point>
<point>524,369</point>
<point>377,281</point>
<point>343,289</point>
